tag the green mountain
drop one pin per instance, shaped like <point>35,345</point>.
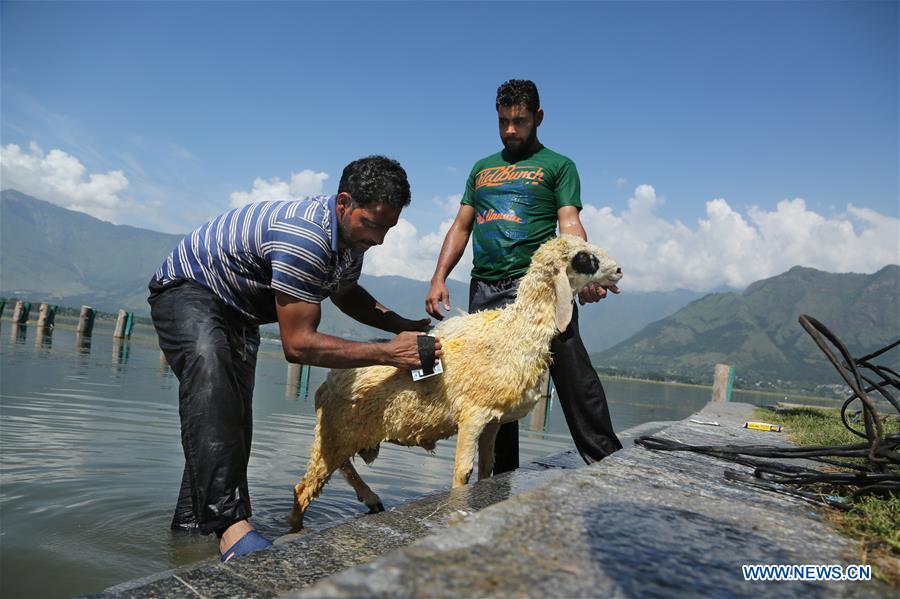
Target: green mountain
<point>50,254</point>
<point>758,333</point>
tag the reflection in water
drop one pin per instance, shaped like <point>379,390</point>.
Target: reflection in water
<point>163,364</point>
<point>18,333</point>
<point>189,547</point>
<point>43,338</point>
<point>120,349</point>
<point>83,344</point>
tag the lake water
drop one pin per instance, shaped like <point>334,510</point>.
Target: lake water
<point>90,456</point>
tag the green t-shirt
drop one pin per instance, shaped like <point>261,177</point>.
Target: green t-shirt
<point>516,209</point>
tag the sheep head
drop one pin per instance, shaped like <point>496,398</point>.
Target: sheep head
<point>574,263</point>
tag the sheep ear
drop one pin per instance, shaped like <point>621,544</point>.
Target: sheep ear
<point>563,314</point>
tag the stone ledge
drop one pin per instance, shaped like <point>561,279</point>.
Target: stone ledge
<point>639,523</point>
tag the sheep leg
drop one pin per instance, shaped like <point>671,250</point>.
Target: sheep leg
<point>466,442</point>
<point>363,492</point>
<point>317,474</point>
<point>486,450</point>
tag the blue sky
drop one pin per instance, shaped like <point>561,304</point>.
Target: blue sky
<point>717,142</point>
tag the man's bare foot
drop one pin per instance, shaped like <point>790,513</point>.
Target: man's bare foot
<point>233,534</point>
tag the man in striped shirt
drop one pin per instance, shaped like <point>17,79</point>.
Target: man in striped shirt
<point>272,261</point>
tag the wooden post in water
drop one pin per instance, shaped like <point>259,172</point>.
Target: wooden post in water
<point>129,325</point>
<point>541,410</point>
<point>86,321</point>
<point>297,381</point>
<point>46,316</point>
<point>722,382</point>
<point>123,325</point>
<point>304,381</point>
<point>17,311</point>
<point>292,387</point>
<point>20,312</point>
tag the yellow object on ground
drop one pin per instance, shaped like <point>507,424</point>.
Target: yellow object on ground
<point>763,426</point>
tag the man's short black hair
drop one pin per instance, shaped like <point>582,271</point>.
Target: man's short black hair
<point>519,91</point>
<point>375,179</point>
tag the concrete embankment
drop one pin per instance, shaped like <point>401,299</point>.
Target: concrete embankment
<point>640,523</point>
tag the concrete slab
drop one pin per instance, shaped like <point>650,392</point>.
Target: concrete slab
<point>641,523</point>
<point>648,523</point>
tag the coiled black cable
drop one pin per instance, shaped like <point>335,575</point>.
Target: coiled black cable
<point>879,470</point>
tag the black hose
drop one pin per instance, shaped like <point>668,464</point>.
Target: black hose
<point>879,472</point>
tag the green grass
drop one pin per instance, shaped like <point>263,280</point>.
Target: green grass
<point>874,520</point>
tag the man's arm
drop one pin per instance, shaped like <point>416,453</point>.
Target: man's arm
<point>302,343</point>
<point>570,222</point>
<point>357,303</point>
<point>451,251</point>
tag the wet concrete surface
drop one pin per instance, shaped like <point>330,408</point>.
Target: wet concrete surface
<point>640,523</point>
<point>300,559</point>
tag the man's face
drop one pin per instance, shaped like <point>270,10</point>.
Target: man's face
<point>362,227</point>
<point>518,128</point>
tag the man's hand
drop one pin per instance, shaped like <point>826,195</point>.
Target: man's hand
<point>594,292</point>
<point>437,295</point>
<point>403,351</point>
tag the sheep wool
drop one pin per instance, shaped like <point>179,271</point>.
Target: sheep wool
<point>493,363</point>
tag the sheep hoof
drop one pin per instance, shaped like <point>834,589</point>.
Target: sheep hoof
<point>295,519</point>
<point>375,508</point>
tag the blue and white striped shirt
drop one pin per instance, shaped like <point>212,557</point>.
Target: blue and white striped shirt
<point>248,253</point>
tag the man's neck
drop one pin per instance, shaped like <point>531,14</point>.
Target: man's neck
<point>512,158</point>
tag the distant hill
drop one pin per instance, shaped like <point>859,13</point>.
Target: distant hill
<point>602,325</point>
<point>48,253</point>
<point>757,330</point>
<point>618,317</point>
<point>66,257</point>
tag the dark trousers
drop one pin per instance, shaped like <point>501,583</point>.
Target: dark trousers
<point>577,386</point>
<point>212,350</point>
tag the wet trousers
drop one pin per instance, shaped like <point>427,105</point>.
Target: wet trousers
<point>212,349</point>
<point>577,385</point>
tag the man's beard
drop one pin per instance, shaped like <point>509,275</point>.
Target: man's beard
<point>521,150</point>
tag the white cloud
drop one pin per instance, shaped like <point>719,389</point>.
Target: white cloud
<point>449,204</point>
<point>728,248</point>
<point>725,247</point>
<point>302,184</point>
<point>406,254</point>
<point>60,178</point>
<point>621,181</point>
<point>181,152</point>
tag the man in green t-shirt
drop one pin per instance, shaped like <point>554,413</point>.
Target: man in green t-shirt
<point>513,202</point>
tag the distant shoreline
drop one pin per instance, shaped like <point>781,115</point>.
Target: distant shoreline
<point>781,394</point>
<point>108,316</point>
